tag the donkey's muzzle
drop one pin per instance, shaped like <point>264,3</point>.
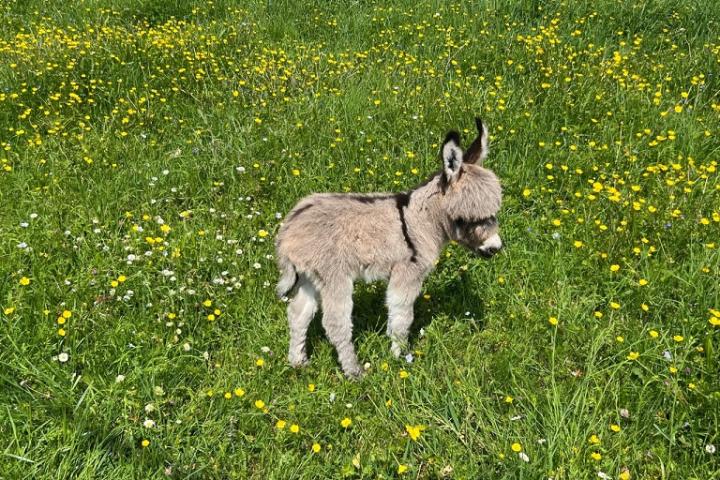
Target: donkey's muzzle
<point>491,246</point>
<point>487,252</point>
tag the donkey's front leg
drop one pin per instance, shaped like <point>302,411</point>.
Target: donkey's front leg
<point>403,289</point>
<point>337,307</point>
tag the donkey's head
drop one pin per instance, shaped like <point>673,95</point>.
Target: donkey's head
<point>472,194</point>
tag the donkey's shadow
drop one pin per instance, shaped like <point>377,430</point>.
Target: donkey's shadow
<point>456,298</point>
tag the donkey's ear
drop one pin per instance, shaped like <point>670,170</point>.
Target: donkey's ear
<point>479,148</point>
<point>452,156</point>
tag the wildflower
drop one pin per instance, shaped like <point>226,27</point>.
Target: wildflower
<point>145,443</point>
<point>508,399</point>
<point>614,268</point>
<point>263,233</point>
<point>149,423</point>
<point>624,475</point>
<point>346,422</point>
<point>316,447</point>
<point>260,362</point>
<point>633,356</point>
<point>403,374</point>
<point>8,310</point>
<point>596,456</point>
<point>24,281</point>
<point>653,333</point>
<point>553,321</point>
<point>678,338</point>
<point>63,357</point>
<point>523,456</point>
<point>594,439</point>
<point>280,424</point>
<point>227,395</point>
<point>259,404</point>
<point>615,427</point>
<point>516,447</point>
<point>311,387</point>
<point>295,428</point>
<point>414,431</point>
<point>239,392</point>
<point>402,469</point>
<point>710,448</point>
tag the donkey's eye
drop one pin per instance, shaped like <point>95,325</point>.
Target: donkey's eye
<point>460,222</point>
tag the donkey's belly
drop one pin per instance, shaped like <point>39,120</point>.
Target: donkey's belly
<point>372,274</point>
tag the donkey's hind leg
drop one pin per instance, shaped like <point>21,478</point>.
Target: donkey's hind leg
<point>337,307</point>
<point>301,311</point>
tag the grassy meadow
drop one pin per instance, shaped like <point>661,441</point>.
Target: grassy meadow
<point>149,150</point>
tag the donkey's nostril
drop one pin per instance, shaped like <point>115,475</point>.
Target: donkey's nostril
<point>488,252</point>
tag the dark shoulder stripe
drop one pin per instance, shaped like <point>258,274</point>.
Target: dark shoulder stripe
<point>402,200</point>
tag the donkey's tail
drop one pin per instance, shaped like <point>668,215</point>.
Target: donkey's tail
<point>288,276</point>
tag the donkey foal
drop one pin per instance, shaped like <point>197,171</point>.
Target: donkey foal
<point>329,240</point>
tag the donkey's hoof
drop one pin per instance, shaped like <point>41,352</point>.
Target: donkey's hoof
<point>354,373</point>
<point>299,362</point>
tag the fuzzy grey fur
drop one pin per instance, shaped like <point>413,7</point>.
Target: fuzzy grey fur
<point>329,240</point>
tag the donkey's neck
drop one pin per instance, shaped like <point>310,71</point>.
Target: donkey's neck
<point>427,221</point>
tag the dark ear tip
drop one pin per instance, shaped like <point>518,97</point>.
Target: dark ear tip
<point>479,124</point>
<point>452,135</point>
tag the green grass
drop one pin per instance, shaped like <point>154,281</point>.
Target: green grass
<point>605,120</point>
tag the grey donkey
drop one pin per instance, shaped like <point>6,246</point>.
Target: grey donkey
<point>329,240</point>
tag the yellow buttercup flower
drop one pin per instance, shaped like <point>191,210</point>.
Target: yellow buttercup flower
<point>414,431</point>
